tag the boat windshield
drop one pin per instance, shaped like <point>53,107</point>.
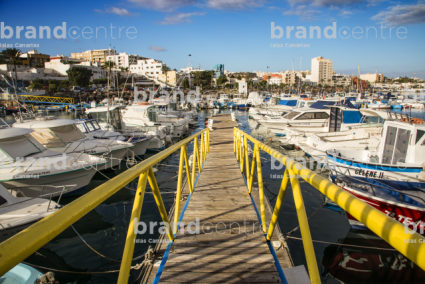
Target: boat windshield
<point>372,121</point>
<point>58,136</point>
<point>19,146</point>
<point>291,115</point>
<point>101,116</point>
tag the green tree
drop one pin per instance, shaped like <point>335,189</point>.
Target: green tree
<point>79,76</point>
<point>185,83</point>
<point>14,55</point>
<point>221,80</point>
<point>52,88</point>
<point>239,77</point>
<point>39,66</point>
<point>36,86</point>
<point>64,84</point>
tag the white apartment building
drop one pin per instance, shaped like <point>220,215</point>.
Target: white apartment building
<point>275,80</point>
<point>372,77</point>
<point>321,70</point>
<point>148,67</point>
<point>62,64</point>
<point>124,59</point>
<point>340,79</point>
<point>95,55</point>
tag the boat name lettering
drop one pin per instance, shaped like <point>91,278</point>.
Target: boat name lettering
<point>372,174</point>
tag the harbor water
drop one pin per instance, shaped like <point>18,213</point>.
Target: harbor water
<point>343,254</point>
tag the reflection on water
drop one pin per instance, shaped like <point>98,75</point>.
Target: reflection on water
<point>368,259</point>
<point>105,228</point>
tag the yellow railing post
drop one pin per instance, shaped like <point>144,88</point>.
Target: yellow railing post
<point>131,235</point>
<point>205,145</point>
<point>278,205</point>
<point>208,140</point>
<point>251,175</point>
<point>246,158</point>
<point>179,191</point>
<point>198,157</point>
<point>202,147</point>
<point>160,203</point>
<point>305,229</point>
<point>234,140</point>
<point>242,155</point>
<point>186,161</point>
<point>195,144</point>
<point>261,192</point>
<point>238,145</point>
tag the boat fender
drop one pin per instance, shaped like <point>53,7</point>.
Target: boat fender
<point>49,277</point>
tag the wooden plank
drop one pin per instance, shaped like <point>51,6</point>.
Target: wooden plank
<point>220,267</point>
<point>261,277</point>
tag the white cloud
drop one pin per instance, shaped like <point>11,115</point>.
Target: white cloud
<point>327,3</point>
<point>402,15</point>
<point>163,5</point>
<point>180,18</point>
<point>118,11</point>
<point>235,4</point>
<point>157,48</point>
<point>304,12</point>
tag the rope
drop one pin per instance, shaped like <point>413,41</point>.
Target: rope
<point>343,244</point>
<point>286,235</point>
<point>137,266</point>
<point>136,258</point>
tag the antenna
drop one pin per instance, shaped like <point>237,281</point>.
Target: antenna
<point>301,60</point>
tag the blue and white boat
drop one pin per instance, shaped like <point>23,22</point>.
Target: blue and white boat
<point>398,162</point>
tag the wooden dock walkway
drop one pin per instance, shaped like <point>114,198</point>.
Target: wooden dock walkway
<point>230,246</point>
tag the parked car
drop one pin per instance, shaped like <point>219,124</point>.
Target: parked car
<point>75,89</point>
<point>82,89</point>
<point>64,90</point>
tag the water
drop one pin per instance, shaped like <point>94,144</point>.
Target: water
<point>105,229</point>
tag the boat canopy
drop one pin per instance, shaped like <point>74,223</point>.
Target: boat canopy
<point>352,116</point>
<point>288,102</point>
<point>326,104</point>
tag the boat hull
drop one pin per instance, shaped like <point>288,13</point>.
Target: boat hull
<point>31,186</point>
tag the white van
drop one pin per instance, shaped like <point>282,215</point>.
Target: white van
<point>76,89</point>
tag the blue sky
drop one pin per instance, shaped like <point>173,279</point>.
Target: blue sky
<point>236,33</point>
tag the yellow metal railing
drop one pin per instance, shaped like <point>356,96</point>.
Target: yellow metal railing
<point>393,232</point>
<point>25,243</point>
<point>45,99</point>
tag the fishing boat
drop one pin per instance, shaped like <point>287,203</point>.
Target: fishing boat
<point>404,206</point>
<point>63,136</point>
<point>18,213</point>
<point>398,162</point>
<point>91,128</point>
<point>26,163</point>
<point>116,123</point>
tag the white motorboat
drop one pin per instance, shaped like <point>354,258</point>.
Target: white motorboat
<point>115,123</point>
<point>63,136</point>
<point>18,213</point>
<point>149,115</point>
<point>91,129</point>
<point>25,162</point>
<point>347,128</point>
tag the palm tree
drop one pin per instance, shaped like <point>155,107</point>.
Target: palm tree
<point>13,54</point>
<point>165,69</point>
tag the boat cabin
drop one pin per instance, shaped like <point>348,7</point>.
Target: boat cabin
<point>403,143</point>
<point>100,114</point>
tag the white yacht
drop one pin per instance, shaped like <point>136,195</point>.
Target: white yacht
<point>18,213</point>
<point>63,136</point>
<point>116,123</point>
<point>25,162</point>
<point>91,129</point>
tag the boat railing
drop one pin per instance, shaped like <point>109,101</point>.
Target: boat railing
<point>64,188</point>
<point>410,245</point>
<point>20,246</point>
